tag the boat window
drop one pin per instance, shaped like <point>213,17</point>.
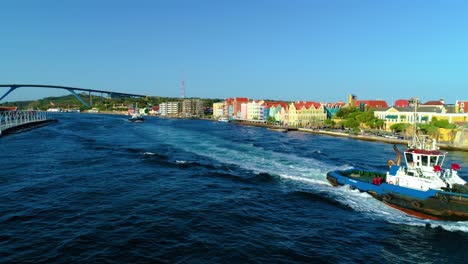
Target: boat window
<point>424,160</point>
<point>433,161</point>
<point>417,160</point>
<point>409,159</point>
<point>441,160</point>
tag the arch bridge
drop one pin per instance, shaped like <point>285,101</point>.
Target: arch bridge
<point>72,90</point>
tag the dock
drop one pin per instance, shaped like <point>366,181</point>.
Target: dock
<point>19,121</point>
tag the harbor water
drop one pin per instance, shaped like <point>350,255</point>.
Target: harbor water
<point>99,189</point>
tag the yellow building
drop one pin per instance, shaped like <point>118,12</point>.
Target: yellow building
<point>424,114</point>
<point>218,110</point>
<point>306,114</point>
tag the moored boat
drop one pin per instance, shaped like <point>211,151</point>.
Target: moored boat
<point>278,129</point>
<point>422,188</point>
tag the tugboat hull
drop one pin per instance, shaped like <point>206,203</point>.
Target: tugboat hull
<point>429,204</point>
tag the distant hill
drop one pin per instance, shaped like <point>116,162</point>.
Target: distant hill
<point>102,103</point>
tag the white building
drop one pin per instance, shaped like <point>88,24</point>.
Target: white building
<point>169,108</point>
<point>254,110</point>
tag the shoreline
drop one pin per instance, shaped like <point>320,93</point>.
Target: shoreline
<point>358,137</point>
<point>378,139</point>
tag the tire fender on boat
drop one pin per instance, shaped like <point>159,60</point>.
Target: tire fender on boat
<point>416,204</point>
<point>387,197</point>
<point>390,182</point>
<point>332,181</point>
<point>443,198</point>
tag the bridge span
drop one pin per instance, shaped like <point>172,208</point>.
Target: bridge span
<point>72,90</point>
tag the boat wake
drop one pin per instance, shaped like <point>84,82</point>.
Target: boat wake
<point>374,209</point>
<point>308,173</point>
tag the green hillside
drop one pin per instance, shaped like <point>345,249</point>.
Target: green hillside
<point>101,103</point>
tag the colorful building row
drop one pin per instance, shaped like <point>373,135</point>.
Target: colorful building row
<point>294,114</point>
<point>304,114</point>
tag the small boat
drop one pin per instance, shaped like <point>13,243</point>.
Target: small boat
<point>278,129</point>
<point>136,117</point>
<point>422,188</point>
<point>223,119</point>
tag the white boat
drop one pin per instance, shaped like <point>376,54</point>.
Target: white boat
<point>422,188</point>
<point>136,116</point>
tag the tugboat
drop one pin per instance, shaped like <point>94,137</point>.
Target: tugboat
<point>422,188</point>
<point>136,117</point>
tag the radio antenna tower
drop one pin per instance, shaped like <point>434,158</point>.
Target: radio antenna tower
<point>182,87</point>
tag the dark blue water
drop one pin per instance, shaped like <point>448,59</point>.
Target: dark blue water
<point>95,188</point>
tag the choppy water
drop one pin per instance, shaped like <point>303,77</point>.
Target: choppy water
<point>96,188</point>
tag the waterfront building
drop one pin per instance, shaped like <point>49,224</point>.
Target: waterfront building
<point>293,119</point>
<point>243,112</point>
<point>366,104</point>
<point>192,107</point>
<point>228,108</point>
<point>461,107</point>
<point>284,115</point>
<point>254,110</point>
<point>279,111</point>
<point>265,109</point>
<point>236,107</point>
<point>218,110</point>
<point>425,113</point>
<point>169,108</point>
<point>332,108</point>
<point>306,114</point>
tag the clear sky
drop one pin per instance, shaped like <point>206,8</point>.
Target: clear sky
<point>319,50</point>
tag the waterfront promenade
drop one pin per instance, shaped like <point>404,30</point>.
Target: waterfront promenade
<point>445,146</point>
<point>16,121</point>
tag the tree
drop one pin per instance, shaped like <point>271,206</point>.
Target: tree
<point>442,123</point>
<point>344,112</point>
<point>430,129</point>
<point>271,120</point>
<point>400,127</point>
<point>329,123</point>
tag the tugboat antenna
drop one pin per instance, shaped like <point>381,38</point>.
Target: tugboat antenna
<point>415,141</point>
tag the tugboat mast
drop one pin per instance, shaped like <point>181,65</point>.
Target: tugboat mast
<point>415,142</point>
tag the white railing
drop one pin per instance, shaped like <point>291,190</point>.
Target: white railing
<point>9,119</point>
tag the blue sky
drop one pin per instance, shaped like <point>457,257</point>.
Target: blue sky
<point>275,49</point>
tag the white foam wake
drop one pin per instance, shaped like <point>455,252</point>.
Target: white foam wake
<point>308,171</point>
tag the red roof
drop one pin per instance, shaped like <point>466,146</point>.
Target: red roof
<point>401,103</point>
<point>269,104</point>
<point>282,104</point>
<point>299,105</point>
<point>434,103</point>
<point>314,104</point>
<point>241,99</point>
<point>372,103</point>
